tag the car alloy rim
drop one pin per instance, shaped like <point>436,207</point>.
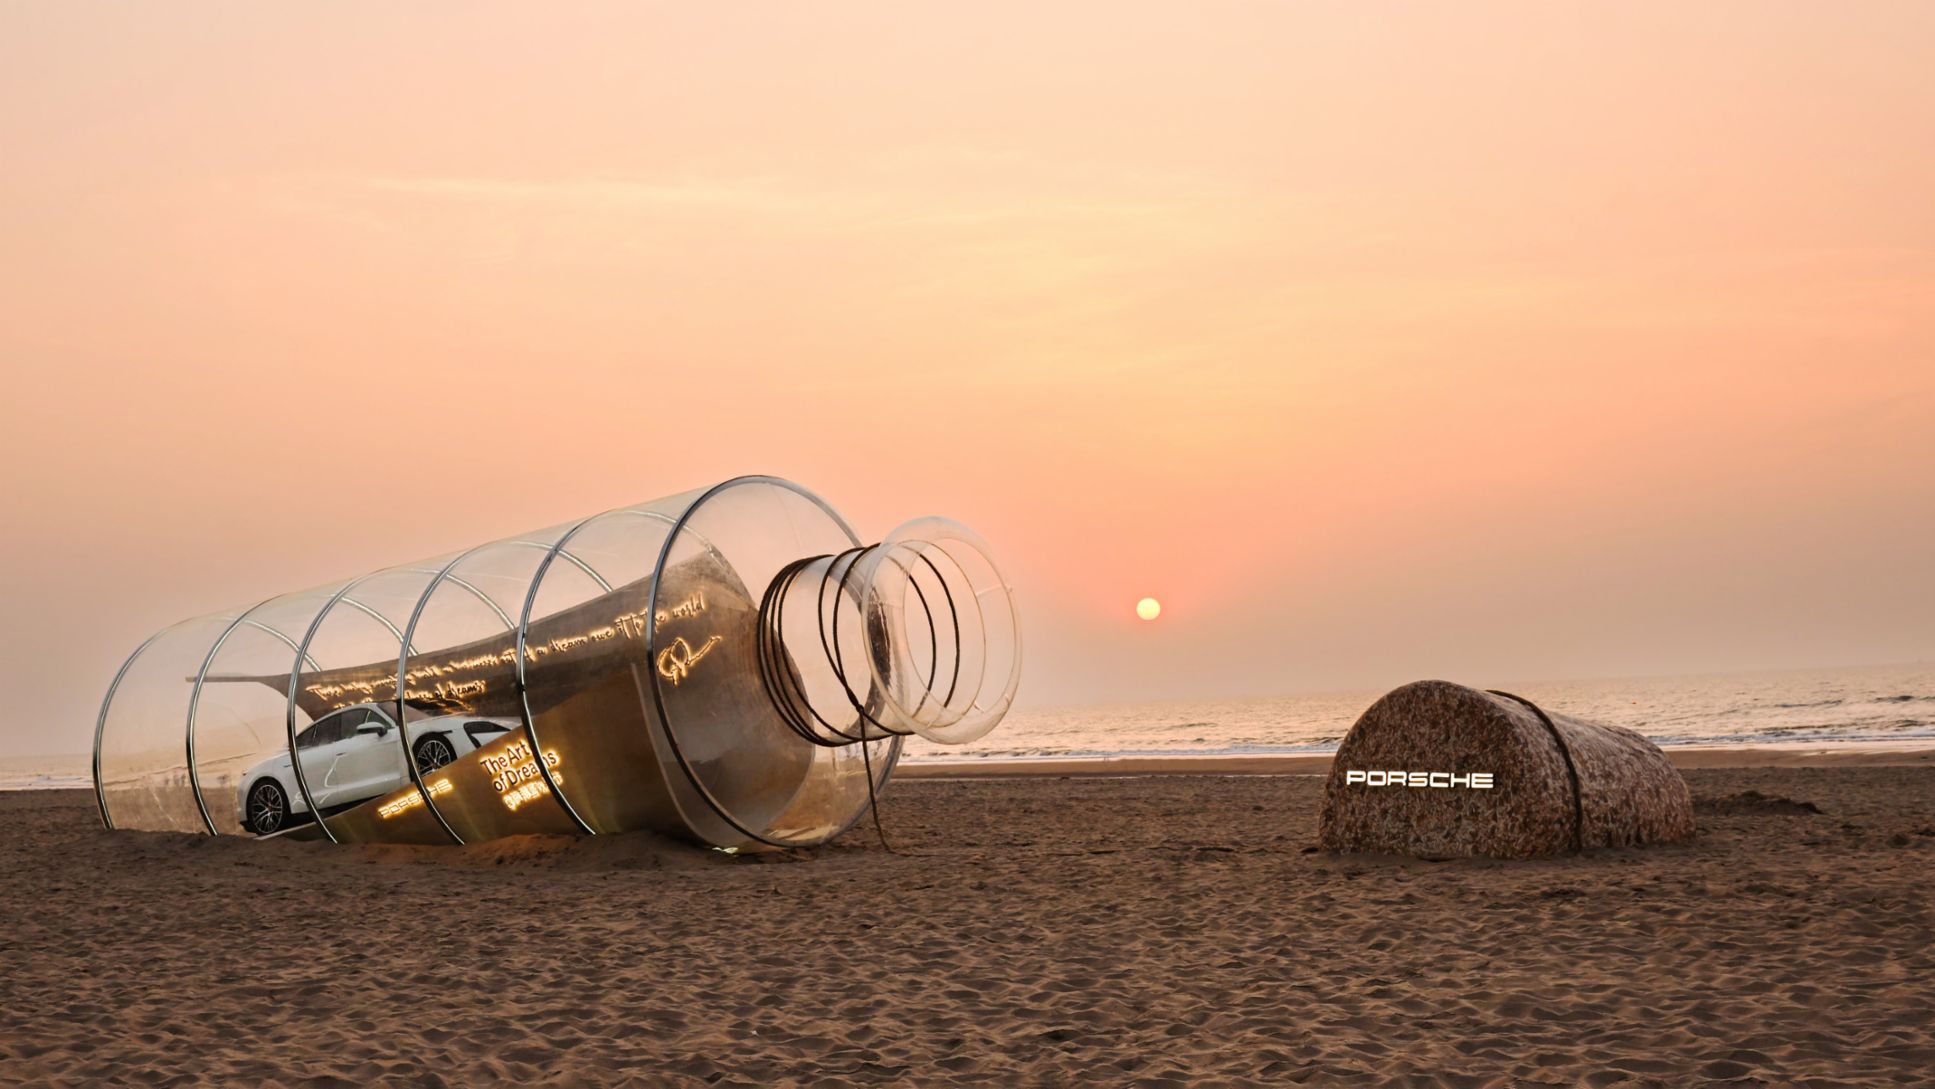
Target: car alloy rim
<point>435,755</point>
<point>264,813</point>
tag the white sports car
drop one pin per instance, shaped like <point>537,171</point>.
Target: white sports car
<point>350,756</point>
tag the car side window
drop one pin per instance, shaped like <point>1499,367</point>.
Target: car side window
<point>330,729</point>
<point>321,732</point>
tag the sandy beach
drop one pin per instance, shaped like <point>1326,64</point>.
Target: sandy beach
<point>1160,930</point>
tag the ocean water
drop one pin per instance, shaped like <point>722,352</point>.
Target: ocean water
<point>65,772</point>
<point>1872,704</point>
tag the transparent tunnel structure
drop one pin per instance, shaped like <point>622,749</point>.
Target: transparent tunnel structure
<point>729,664</point>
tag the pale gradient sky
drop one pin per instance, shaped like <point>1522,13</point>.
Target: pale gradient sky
<point>1484,341</point>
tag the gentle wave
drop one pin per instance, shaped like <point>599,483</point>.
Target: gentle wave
<point>1814,706</point>
<point>46,782</point>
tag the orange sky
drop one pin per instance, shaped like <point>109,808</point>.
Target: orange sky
<point>1481,341</point>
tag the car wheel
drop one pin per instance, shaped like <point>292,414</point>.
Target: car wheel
<point>434,752</point>
<point>268,808</point>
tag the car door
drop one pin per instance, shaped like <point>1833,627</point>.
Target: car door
<point>320,748</point>
<point>371,761</point>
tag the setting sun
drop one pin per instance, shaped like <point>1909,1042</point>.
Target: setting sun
<point>1148,608</point>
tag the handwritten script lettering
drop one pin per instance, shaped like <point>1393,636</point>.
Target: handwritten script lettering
<point>676,661</point>
<point>454,684</point>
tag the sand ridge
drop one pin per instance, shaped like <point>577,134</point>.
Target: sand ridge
<point>1175,930</point>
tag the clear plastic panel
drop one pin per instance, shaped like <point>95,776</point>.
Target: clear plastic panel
<point>238,729</point>
<point>587,671</point>
<point>729,663</point>
<point>764,777</point>
<point>350,655</point>
<point>813,629</point>
<point>948,658</point>
<point>143,747</point>
<point>463,719</point>
<point>917,634</point>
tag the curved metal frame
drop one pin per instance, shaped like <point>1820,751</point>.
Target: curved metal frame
<point>194,701</point>
<point>524,628</point>
<point>1005,696</point>
<point>295,674</point>
<point>652,649</point>
<point>100,722</point>
<point>782,677</point>
<point>403,661</point>
<point>366,610</point>
<point>195,696</point>
<point>523,701</point>
<point>954,617</point>
<point>933,667</point>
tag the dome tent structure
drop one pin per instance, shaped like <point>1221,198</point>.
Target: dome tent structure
<point>1439,770</point>
<point>729,664</point>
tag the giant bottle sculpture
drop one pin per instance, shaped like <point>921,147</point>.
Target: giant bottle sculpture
<point>730,664</point>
